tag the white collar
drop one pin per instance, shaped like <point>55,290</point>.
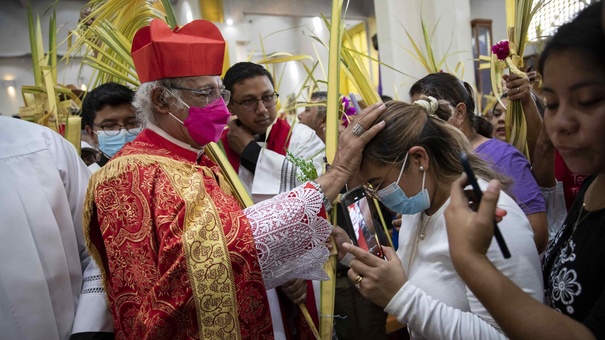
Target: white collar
<point>173,140</point>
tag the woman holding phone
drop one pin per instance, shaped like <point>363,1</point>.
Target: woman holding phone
<point>410,166</point>
<point>573,71</point>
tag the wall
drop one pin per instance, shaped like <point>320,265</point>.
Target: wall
<point>186,10</point>
<point>494,10</point>
<point>358,9</point>
<point>451,21</point>
<point>278,32</point>
<point>15,58</point>
<point>281,34</point>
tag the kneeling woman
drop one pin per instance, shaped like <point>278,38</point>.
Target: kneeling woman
<point>411,165</point>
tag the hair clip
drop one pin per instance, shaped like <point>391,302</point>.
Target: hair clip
<point>429,104</point>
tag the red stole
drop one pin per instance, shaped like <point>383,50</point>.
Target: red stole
<point>277,141</point>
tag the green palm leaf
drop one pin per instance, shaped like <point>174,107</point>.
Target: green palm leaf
<point>104,37</point>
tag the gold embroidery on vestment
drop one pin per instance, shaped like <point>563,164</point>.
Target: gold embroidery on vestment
<point>208,260</point>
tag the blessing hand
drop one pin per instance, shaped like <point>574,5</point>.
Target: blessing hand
<point>355,137</point>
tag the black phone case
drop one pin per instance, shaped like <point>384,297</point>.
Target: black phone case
<point>379,231</point>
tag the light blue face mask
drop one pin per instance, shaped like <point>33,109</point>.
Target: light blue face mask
<point>110,145</point>
<point>396,200</point>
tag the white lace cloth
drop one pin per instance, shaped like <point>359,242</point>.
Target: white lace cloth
<point>290,236</point>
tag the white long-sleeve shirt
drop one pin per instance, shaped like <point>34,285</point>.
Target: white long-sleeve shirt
<point>435,303</point>
<point>49,286</point>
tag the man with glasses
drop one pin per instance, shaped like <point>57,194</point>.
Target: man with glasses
<point>179,257</point>
<point>109,119</point>
<point>256,144</point>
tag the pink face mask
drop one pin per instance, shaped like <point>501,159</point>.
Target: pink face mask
<point>205,124</point>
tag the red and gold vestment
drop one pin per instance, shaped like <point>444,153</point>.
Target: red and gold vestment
<point>177,252</point>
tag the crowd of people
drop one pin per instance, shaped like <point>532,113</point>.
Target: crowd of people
<point>150,241</point>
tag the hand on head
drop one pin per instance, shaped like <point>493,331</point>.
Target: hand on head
<point>354,138</point>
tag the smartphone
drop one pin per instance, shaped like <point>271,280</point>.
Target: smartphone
<point>364,222</point>
<point>474,196</point>
<point>475,200</point>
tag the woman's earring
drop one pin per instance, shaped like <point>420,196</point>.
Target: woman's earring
<point>421,168</point>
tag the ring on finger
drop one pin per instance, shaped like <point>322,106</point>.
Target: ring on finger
<point>358,281</point>
<point>358,130</point>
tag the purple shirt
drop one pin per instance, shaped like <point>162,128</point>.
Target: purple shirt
<point>510,162</point>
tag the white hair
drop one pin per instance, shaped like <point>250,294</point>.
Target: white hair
<point>142,99</point>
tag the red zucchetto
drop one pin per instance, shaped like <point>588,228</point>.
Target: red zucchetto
<point>196,49</point>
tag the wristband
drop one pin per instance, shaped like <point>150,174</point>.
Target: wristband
<point>326,201</point>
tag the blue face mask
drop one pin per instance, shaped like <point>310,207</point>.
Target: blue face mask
<point>396,200</point>
<point>110,145</point>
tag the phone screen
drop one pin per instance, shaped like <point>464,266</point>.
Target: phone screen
<point>363,228</point>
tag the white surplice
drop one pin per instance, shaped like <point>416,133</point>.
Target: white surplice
<point>274,173</point>
<point>49,286</point>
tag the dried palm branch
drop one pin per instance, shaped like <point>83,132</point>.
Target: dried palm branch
<point>509,54</point>
<point>425,55</point>
<point>43,103</point>
<point>103,38</point>
<point>328,288</point>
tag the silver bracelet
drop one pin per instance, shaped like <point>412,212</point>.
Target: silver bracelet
<point>326,202</point>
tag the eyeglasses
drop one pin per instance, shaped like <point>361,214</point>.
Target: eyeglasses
<point>111,129</point>
<point>209,95</point>
<point>251,105</point>
<point>371,190</point>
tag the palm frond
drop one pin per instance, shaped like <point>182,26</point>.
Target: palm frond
<point>52,42</point>
<point>524,10</point>
<point>283,57</point>
<point>34,44</point>
<point>364,55</point>
<point>426,55</point>
<point>326,320</point>
<point>105,36</point>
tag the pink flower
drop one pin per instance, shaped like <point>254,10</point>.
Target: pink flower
<point>348,111</point>
<point>501,49</point>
